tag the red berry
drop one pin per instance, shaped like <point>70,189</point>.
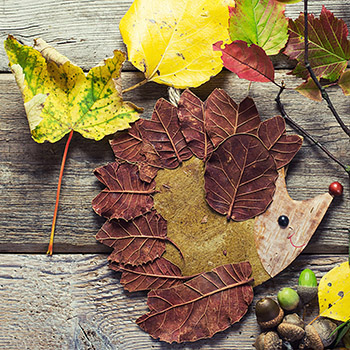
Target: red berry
<point>335,188</point>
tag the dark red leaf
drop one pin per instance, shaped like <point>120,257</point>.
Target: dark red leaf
<point>329,48</point>
<point>223,117</point>
<point>137,241</point>
<point>163,132</point>
<point>200,307</point>
<point>158,274</point>
<point>283,148</point>
<point>248,62</point>
<point>191,116</point>
<point>126,196</point>
<point>240,178</point>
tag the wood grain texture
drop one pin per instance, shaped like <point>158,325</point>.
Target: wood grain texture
<point>29,171</point>
<point>86,31</point>
<point>76,302</point>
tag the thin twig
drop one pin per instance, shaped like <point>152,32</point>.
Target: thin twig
<point>304,132</point>
<point>324,94</point>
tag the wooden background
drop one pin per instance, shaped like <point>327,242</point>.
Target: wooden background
<point>72,300</point>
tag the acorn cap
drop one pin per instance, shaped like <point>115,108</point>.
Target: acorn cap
<point>312,340</point>
<point>292,328</point>
<point>268,341</point>
<point>325,327</point>
<point>307,293</point>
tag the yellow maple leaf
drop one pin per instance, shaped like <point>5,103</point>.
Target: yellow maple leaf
<point>171,40</point>
<point>59,97</point>
<point>334,293</point>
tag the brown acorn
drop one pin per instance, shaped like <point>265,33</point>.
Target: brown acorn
<point>291,328</point>
<point>268,313</point>
<point>268,341</point>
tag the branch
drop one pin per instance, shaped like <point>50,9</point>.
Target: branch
<point>305,133</point>
<point>324,94</point>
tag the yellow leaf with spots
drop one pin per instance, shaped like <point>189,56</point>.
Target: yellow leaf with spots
<point>334,293</point>
<point>59,97</point>
<point>171,40</point>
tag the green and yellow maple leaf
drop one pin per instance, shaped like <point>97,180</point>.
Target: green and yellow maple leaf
<point>259,22</point>
<point>171,40</point>
<point>60,98</point>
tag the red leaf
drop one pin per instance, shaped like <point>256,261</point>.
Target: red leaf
<point>191,116</point>
<point>130,147</point>
<point>223,117</point>
<point>240,178</point>
<point>248,62</point>
<point>201,307</point>
<point>329,48</point>
<point>163,132</point>
<point>283,148</point>
<point>126,196</point>
<point>137,241</point>
<point>158,274</point>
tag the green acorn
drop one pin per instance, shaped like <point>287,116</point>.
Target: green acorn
<point>307,286</point>
<point>288,299</point>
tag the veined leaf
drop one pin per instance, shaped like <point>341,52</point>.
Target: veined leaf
<point>329,48</point>
<point>59,98</point>
<point>248,62</point>
<point>158,274</point>
<point>259,22</point>
<point>344,82</point>
<point>125,196</point>
<point>201,307</point>
<point>240,178</point>
<point>334,293</point>
<point>137,241</point>
<point>310,90</point>
<point>171,41</point>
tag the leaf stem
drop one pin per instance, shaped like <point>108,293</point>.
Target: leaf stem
<point>324,94</point>
<point>305,133</point>
<point>140,83</point>
<point>50,248</point>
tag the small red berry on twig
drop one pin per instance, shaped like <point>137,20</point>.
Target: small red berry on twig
<point>336,189</point>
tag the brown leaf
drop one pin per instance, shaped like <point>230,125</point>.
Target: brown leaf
<point>240,178</point>
<point>283,147</point>
<point>163,132</point>
<point>191,116</point>
<point>130,147</point>
<point>223,117</point>
<point>158,274</point>
<point>126,196</point>
<point>201,307</point>
<point>137,241</point>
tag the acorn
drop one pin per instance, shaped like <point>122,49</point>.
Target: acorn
<point>268,313</point>
<point>268,341</point>
<point>288,299</point>
<point>318,335</point>
<point>292,328</point>
<point>307,286</point>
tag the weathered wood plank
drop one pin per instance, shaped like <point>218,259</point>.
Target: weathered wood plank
<point>29,171</point>
<point>76,302</point>
<point>87,31</point>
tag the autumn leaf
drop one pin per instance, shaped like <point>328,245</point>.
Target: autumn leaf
<point>199,308</point>
<point>137,241</point>
<point>125,196</point>
<point>191,116</point>
<point>329,48</point>
<point>59,98</point>
<point>344,82</point>
<point>334,293</point>
<point>259,22</point>
<point>282,147</point>
<point>310,90</point>
<point>248,62</point>
<point>158,274</point>
<point>240,178</point>
<point>172,43</point>
<point>223,117</point>
<point>164,133</point>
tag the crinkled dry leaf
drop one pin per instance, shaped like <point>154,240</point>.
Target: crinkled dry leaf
<point>240,178</point>
<point>171,42</point>
<point>137,241</point>
<point>125,196</point>
<point>58,97</point>
<point>224,118</point>
<point>158,274</point>
<point>201,307</point>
